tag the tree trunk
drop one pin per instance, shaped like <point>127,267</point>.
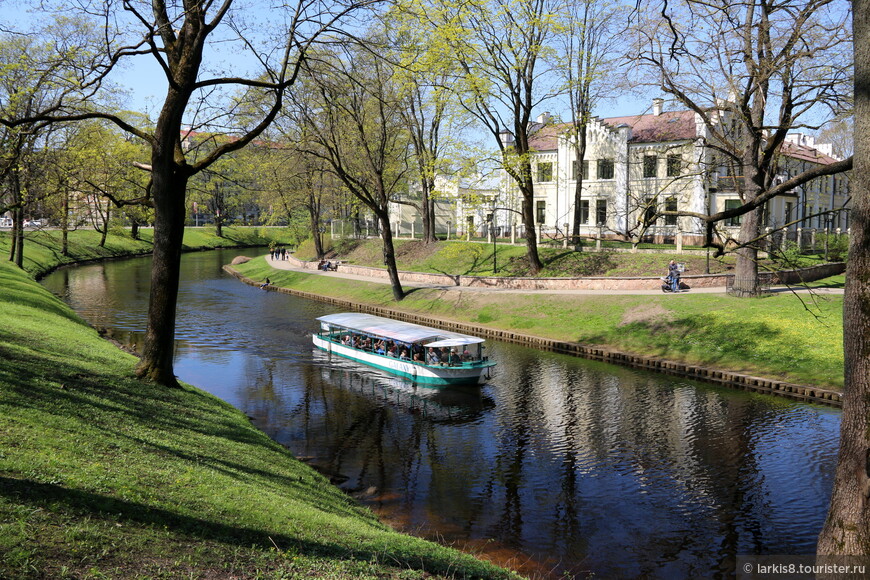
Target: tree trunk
<point>847,528</point>
<point>134,229</point>
<point>18,234</point>
<point>746,268</point>
<point>527,190</point>
<point>168,187</point>
<point>427,204</point>
<point>315,232</point>
<point>64,226</point>
<point>390,255</point>
<point>578,187</point>
<point>105,232</point>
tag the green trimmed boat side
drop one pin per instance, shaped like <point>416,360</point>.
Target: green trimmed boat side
<point>437,381</point>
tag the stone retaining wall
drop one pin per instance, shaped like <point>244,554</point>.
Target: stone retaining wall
<point>589,283</point>
<point>695,372</point>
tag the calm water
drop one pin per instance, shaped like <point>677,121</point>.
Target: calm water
<point>558,464</point>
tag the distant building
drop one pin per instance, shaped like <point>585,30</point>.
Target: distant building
<point>462,206</point>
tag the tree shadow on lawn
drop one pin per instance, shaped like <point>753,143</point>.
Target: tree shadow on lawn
<point>58,499</point>
<point>735,341</point>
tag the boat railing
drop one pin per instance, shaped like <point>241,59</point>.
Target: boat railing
<point>335,338</point>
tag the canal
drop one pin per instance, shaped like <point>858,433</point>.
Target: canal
<point>557,464</point>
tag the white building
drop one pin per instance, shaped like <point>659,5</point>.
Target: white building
<point>461,207</point>
<point>637,164</point>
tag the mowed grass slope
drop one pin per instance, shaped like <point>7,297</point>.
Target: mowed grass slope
<point>105,476</point>
<point>793,337</point>
<point>42,248</point>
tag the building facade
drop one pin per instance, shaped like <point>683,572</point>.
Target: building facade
<point>637,165</point>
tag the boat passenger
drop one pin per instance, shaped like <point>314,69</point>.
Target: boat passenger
<point>433,358</point>
<point>453,358</point>
<point>404,354</point>
<point>392,351</point>
<point>418,357</point>
<point>466,356</point>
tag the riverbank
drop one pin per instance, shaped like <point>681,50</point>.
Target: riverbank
<point>102,475</point>
<point>785,338</point>
<point>42,248</point>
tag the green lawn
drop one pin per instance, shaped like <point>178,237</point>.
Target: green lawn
<point>459,257</point>
<point>793,337</point>
<point>42,248</point>
<point>106,476</point>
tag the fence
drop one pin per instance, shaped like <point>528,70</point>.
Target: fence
<point>739,286</point>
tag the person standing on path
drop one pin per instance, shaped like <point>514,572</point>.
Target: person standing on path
<point>674,276</point>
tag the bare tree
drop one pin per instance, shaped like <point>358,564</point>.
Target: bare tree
<point>354,124</point>
<point>502,48</point>
<point>180,37</point>
<point>752,71</point>
<point>588,37</point>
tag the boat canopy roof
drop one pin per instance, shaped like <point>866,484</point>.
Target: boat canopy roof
<point>397,330</point>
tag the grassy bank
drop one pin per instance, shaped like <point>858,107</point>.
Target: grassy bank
<point>104,476</point>
<point>458,257</point>
<point>42,248</point>
<point>783,336</point>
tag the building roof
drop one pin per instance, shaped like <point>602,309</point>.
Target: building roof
<point>674,126</point>
<point>669,126</point>
<point>805,153</point>
<point>666,126</point>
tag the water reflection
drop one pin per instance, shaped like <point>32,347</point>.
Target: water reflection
<point>557,464</point>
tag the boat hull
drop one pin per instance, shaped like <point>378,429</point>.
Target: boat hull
<point>417,372</point>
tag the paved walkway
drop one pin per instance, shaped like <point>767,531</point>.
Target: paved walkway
<point>286,265</point>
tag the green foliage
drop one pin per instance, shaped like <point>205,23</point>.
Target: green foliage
<point>776,336</point>
<point>42,247</point>
<point>789,255</point>
<point>107,476</point>
<point>838,246</point>
<point>343,246</point>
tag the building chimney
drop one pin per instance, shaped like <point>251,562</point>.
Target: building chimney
<point>544,118</point>
<point>657,106</point>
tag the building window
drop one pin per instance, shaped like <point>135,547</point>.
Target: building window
<point>605,169</point>
<point>649,211</point>
<point>671,205</point>
<point>601,212</point>
<point>788,209</point>
<point>650,166</point>
<point>675,165</point>
<point>732,204</point>
<point>574,170</point>
<point>545,171</point>
<point>584,211</point>
<point>541,211</point>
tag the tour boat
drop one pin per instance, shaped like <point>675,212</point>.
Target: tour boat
<point>420,353</point>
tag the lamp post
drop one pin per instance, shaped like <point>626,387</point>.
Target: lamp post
<point>322,231</point>
<point>490,219</point>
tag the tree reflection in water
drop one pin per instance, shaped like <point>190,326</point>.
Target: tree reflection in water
<point>557,464</point>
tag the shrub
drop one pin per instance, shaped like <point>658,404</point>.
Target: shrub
<point>838,246</point>
<point>788,255</point>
